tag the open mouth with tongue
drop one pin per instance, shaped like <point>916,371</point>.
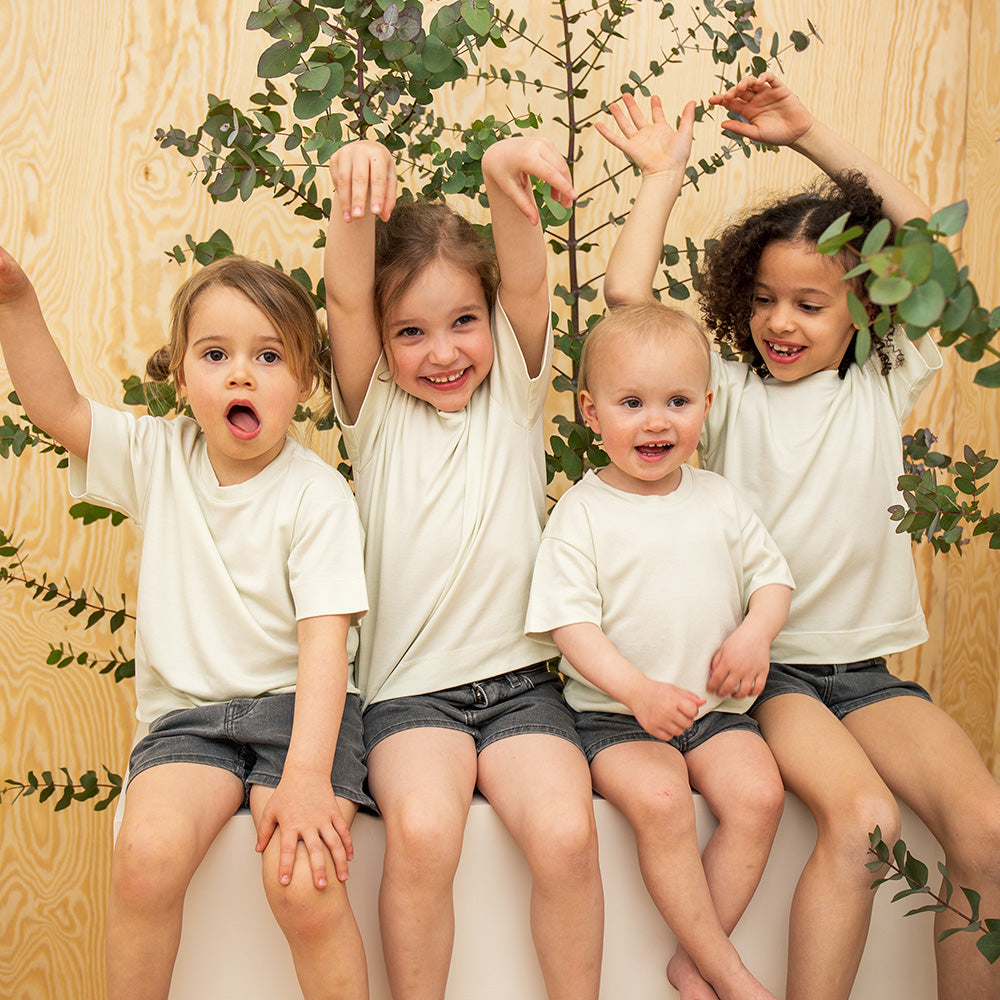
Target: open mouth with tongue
<point>243,420</point>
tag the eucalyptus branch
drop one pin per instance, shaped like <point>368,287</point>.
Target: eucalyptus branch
<point>87,786</point>
<point>903,866</point>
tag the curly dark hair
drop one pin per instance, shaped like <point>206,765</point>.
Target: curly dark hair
<point>727,279</point>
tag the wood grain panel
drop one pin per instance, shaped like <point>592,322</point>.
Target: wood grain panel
<point>91,202</point>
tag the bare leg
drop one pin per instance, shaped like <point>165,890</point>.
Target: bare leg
<point>173,812</point>
<point>822,763</point>
<point>926,758</point>
<point>739,780</point>
<point>423,780</point>
<point>540,787</point>
<point>648,782</point>
<point>319,924</point>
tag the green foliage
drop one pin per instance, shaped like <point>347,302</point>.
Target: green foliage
<point>917,284</point>
<point>339,69</point>
<point>85,788</point>
<point>937,512</point>
<point>900,865</point>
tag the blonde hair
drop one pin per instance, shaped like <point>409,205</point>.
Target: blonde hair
<point>641,324</point>
<point>287,305</point>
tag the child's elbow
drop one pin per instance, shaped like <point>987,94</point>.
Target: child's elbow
<point>619,291</point>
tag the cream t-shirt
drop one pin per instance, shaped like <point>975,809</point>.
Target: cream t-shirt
<point>453,506</point>
<point>666,578</point>
<point>818,460</point>
<point>225,571</point>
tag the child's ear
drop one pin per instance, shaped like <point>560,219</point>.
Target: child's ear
<point>589,411</point>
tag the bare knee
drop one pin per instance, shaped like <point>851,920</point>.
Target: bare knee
<point>563,845</point>
<point>664,811</point>
<point>306,914</point>
<point>149,869</point>
<point>971,851</point>
<point>754,808</point>
<point>422,845</point>
<point>844,827</point>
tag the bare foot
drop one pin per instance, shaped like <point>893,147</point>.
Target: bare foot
<point>737,984</point>
<point>684,976</point>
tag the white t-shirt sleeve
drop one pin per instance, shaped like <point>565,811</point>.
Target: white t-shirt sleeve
<point>519,395</point>
<point>921,362</point>
<point>115,472</point>
<point>564,588</point>
<point>326,561</point>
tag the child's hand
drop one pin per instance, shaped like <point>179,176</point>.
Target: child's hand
<point>13,281</point>
<point>740,666</point>
<point>774,114</point>
<point>304,808</point>
<point>665,710</point>
<point>511,163</point>
<point>653,146</point>
<point>364,171</point>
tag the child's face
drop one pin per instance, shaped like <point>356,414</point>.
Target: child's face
<point>238,382</point>
<point>800,321</point>
<point>439,337</point>
<point>648,402</point>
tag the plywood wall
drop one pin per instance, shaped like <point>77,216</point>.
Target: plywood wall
<point>90,202</point>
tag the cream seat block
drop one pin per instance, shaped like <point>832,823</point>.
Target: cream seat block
<point>232,948</point>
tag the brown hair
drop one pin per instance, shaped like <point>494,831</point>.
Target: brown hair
<point>642,323</point>
<point>286,304</point>
<point>416,235</point>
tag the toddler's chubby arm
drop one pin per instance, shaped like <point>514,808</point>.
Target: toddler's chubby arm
<point>508,166</point>
<point>40,375</point>
<point>739,667</point>
<point>304,806</point>
<point>661,153</point>
<point>662,709</point>
<point>777,117</point>
<point>364,180</point>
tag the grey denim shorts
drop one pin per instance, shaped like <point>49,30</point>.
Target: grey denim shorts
<point>600,730</point>
<point>842,687</point>
<point>523,701</point>
<point>250,737</point>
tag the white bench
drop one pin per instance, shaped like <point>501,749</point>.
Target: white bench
<point>232,948</point>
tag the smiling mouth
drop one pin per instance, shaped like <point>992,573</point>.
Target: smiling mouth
<point>784,351</point>
<point>243,420</point>
<point>656,450</point>
<point>447,381</point>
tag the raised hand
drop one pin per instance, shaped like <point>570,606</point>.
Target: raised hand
<point>652,145</point>
<point>774,114</point>
<point>509,165</point>
<point>364,175</point>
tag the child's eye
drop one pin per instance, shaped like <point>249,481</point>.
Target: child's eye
<point>677,402</point>
<point>760,300</point>
<point>269,357</point>
<point>215,354</point>
<point>465,320</point>
<point>810,307</point>
<point>632,403</point>
<point>409,331</point>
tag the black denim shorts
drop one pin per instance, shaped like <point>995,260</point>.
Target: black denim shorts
<point>523,701</point>
<point>842,687</point>
<point>250,737</point>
